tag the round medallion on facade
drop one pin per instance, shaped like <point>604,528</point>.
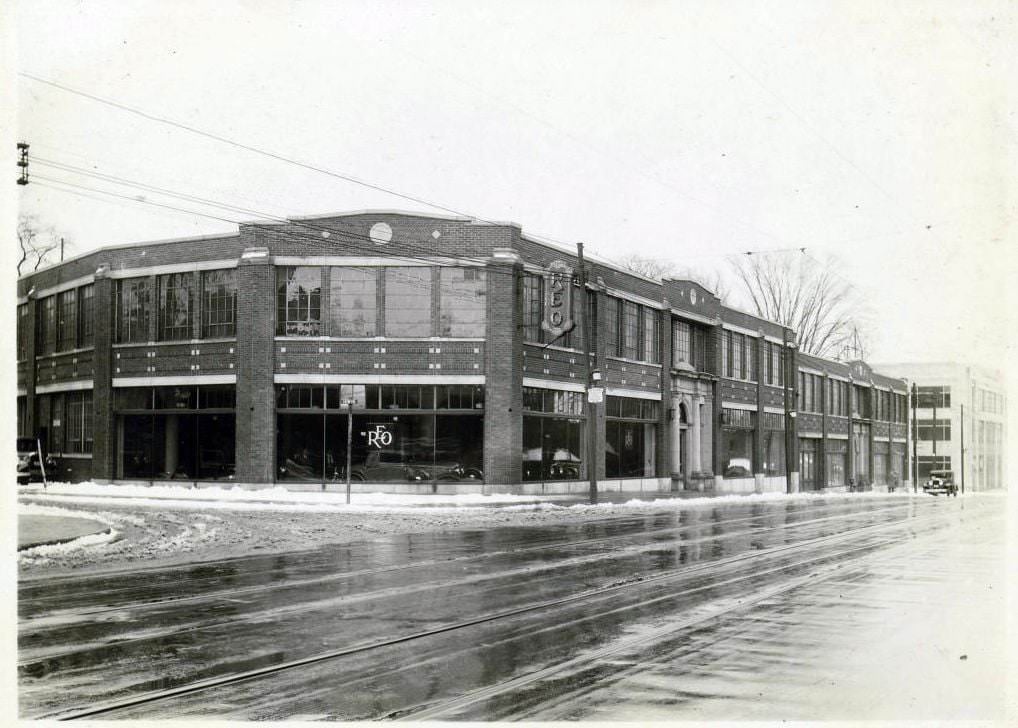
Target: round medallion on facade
<point>380,233</point>
<point>692,296</point>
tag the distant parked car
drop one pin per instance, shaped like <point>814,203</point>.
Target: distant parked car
<point>941,481</point>
<point>29,469</point>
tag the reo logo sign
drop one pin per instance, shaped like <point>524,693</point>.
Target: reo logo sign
<point>558,299</point>
<point>379,437</point>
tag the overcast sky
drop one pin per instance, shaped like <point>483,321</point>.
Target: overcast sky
<point>881,132</point>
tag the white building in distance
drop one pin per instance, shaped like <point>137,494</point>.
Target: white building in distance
<point>958,407</point>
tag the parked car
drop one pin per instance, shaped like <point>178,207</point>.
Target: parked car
<point>29,469</point>
<point>941,481</point>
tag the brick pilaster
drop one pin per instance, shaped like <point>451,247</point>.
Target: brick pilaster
<point>665,423</point>
<point>104,430</point>
<point>256,416</point>
<point>503,372</point>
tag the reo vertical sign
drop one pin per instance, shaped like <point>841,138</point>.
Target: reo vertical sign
<point>558,299</point>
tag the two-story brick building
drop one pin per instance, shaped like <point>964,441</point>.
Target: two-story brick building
<point>253,358</point>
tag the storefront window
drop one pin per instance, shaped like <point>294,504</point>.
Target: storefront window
<point>881,451</point>
<point>809,466</point>
<point>552,448</point>
<point>737,443</point>
<point>353,304</point>
<point>462,302</point>
<point>899,463</point>
<point>837,452</point>
<point>630,437</point>
<point>774,444</point>
<point>176,433</point>
<point>408,302</point>
<point>399,441</point>
<point>298,301</point>
<point>79,422</point>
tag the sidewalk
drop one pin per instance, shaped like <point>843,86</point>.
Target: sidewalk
<point>40,530</point>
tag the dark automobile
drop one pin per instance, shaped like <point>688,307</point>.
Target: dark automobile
<point>29,469</point>
<point>941,481</point>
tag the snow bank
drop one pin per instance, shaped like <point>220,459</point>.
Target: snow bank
<point>279,499</point>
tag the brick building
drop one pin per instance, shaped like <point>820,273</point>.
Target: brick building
<point>960,408</point>
<point>252,358</point>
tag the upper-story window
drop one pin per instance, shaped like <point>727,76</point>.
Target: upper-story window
<point>176,306</point>
<point>682,343</point>
<point>353,302</point>
<point>133,310</point>
<point>612,314</point>
<point>219,303</point>
<point>531,307</point>
<point>408,302</point>
<point>773,369</point>
<point>651,335</point>
<point>67,320</point>
<point>22,331</point>
<point>930,397</point>
<point>46,326</point>
<point>86,315</point>
<point>630,330</point>
<point>462,301</point>
<point>298,301</point>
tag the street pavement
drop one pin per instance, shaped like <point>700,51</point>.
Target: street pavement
<point>886,608</point>
<point>40,529</point>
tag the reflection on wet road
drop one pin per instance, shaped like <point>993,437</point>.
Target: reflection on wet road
<point>742,611</point>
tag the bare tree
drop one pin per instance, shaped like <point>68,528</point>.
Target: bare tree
<point>808,295</point>
<point>659,268</point>
<point>39,245</point>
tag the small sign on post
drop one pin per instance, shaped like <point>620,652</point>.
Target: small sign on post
<point>595,395</point>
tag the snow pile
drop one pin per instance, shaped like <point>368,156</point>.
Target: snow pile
<point>42,554</point>
<point>277,498</point>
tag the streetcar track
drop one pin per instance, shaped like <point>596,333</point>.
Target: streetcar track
<point>225,680</point>
<point>376,594</point>
<point>449,709</point>
<point>425,563</point>
<point>44,581</point>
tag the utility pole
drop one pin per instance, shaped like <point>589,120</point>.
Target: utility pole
<point>595,394</point>
<point>61,249</point>
<point>349,443</point>
<point>23,163</point>
<point>915,436</point>
<point>962,420</point>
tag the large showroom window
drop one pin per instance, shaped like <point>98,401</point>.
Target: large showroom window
<point>176,306</point>
<point>737,442</point>
<point>402,433</point>
<point>175,433</point>
<point>219,303</point>
<point>408,302</point>
<point>133,310</point>
<point>630,439</point>
<point>552,434</point>
<point>462,302</point>
<point>298,301</point>
<point>353,305</point>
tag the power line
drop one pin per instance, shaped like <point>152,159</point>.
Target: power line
<point>250,148</point>
<point>282,158</point>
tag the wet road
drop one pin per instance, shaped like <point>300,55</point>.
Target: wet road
<point>847,608</point>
